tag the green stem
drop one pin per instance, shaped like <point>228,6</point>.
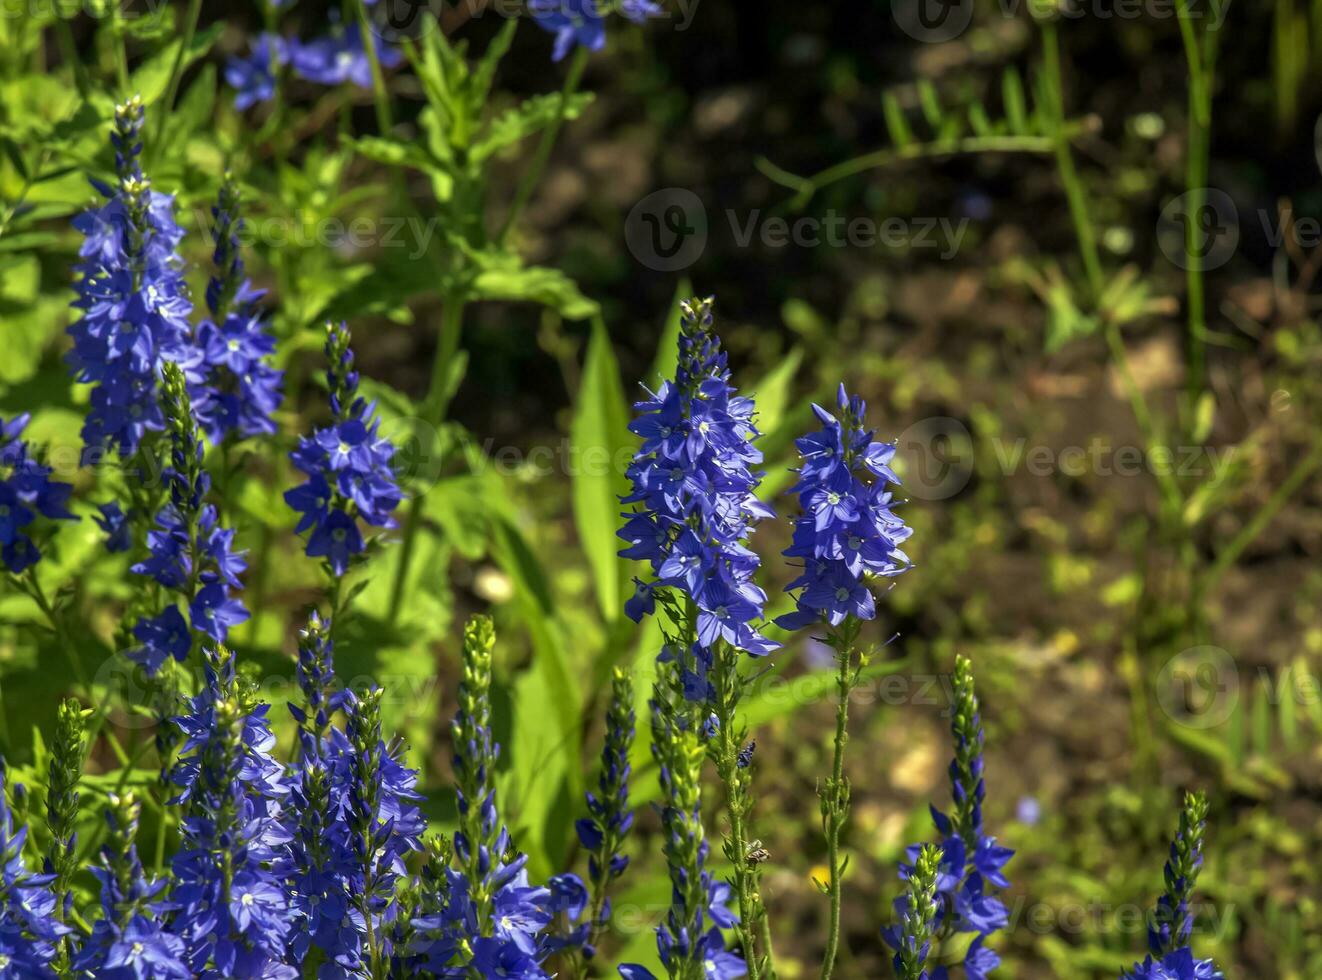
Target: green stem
<point>738,803</point>
<point>835,806</point>
<point>159,856</point>
<point>1074,191</point>
<point>335,593</point>
<point>435,406</point>
<point>768,952</point>
<point>1200,54</point>
<point>69,50</point>
<point>119,53</point>
<point>1292,483</point>
<point>24,189</point>
<point>172,86</point>
<point>533,175</point>
<point>1170,488</point>
<point>806,187</point>
<point>379,94</point>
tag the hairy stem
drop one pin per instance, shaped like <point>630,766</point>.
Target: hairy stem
<point>835,806</point>
<point>739,803</point>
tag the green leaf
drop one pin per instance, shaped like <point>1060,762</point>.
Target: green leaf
<point>532,116</point>
<point>896,124</point>
<point>1262,719</point>
<point>87,118</point>
<point>485,72</point>
<point>15,156</point>
<point>539,771</point>
<point>667,351</point>
<point>781,698</point>
<point>599,437</point>
<point>29,331</point>
<point>20,278</point>
<point>193,113</point>
<point>1012,95</point>
<point>384,288</point>
<point>398,153</point>
<point>1205,743</point>
<point>979,122</point>
<point>773,697</point>
<point>930,104</point>
<point>533,590</point>
<point>551,700</point>
<point>458,505</point>
<point>773,391</point>
<point>152,77</point>
<point>535,284</point>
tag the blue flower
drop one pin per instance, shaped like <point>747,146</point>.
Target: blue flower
<point>252,77</point>
<point>312,500</point>
<point>690,933</point>
<point>352,821</point>
<point>337,539</point>
<point>695,489</point>
<point>1028,811</point>
<point>141,950</point>
<point>971,863</point>
<point>162,636</point>
<point>1179,965</point>
<point>116,525</point>
<point>341,57</point>
<point>28,924</point>
<point>580,22</point>
<point>22,958</point>
<point>316,680</point>
<point>240,391</point>
<point>384,825</point>
<point>232,907</point>
<point>848,534</point>
<point>26,493</point>
<point>130,940</point>
<point>134,301</point>
<point>190,553</point>
<point>1170,927</point>
<point>214,611</point>
<point>603,833</point>
<point>347,465</point>
<point>483,914</point>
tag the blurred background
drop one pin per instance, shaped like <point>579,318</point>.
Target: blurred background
<point>981,216</point>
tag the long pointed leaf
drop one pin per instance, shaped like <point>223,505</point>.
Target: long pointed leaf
<point>599,437</point>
